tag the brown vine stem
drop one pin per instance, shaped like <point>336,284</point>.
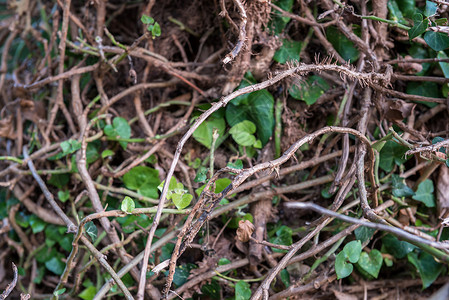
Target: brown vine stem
<point>73,228</point>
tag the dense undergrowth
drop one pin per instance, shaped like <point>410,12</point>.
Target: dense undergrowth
<point>223,149</point>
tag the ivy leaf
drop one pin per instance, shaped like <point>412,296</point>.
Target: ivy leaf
<point>288,51</point>
<point>242,291</point>
<point>119,128</point>
<point>144,180</point>
<point>428,268</point>
<point>399,249</point>
<point>371,263</point>
<point>283,237</point>
<point>436,40</point>
<point>424,193</point>
<point>91,230</point>
<point>431,9</point>
<point>352,251</point>
<point>391,153</point>
<point>242,133</point>
<point>146,19</point>
<point>128,205</point>
<point>55,265</point>
<point>203,133</point>
<point>400,189</point>
<point>182,201</point>
<point>309,91</point>
<point>342,44</point>
<point>89,293</point>
<point>257,107</point>
<point>63,195</point>
<point>343,268</point>
<point>419,26</point>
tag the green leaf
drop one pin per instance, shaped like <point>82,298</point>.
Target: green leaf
<point>238,164</point>
<point>146,19</point>
<point>242,133</point>
<point>119,129</point>
<point>426,89</point>
<point>144,180</point>
<point>55,265</point>
<point>89,293</point>
<point>288,51</point>
<point>212,290</point>
<point>203,133</point>
<point>128,205</point>
<point>392,153</point>
<point>278,22</point>
<point>419,26</point>
<point>37,225</point>
<point>400,189</point>
<point>70,146</point>
<point>63,195</point>
<point>285,278</point>
<point>242,291</point>
<point>343,268</point>
<point>59,292</point>
<point>424,193</point>
<point>363,233</point>
<point>428,268</point>
<point>441,22</point>
<point>182,201</point>
<point>352,251</point>
<point>156,30</point>
<point>431,8</point>
<point>257,107</point>
<point>436,40</point>
<point>283,237</point>
<point>182,274</point>
<point>395,247</point>
<point>91,230</point>
<point>107,153</point>
<point>342,44</point>
<point>371,263</point>
<point>407,7</point>
<point>59,180</point>
<point>395,12</point>
<point>201,174</point>
<point>309,91</point>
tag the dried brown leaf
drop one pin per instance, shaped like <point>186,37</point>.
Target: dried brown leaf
<point>245,230</point>
<point>7,128</point>
<point>397,110</point>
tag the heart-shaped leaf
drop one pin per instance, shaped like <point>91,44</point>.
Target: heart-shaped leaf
<point>424,193</point>
<point>352,251</point>
<point>144,180</point>
<point>371,262</point>
<point>343,268</point>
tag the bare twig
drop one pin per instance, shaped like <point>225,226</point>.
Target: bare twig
<point>11,285</point>
<point>396,231</point>
<point>242,33</point>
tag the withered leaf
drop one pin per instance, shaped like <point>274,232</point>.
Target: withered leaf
<point>397,110</point>
<point>7,128</point>
<point>245,230</point>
